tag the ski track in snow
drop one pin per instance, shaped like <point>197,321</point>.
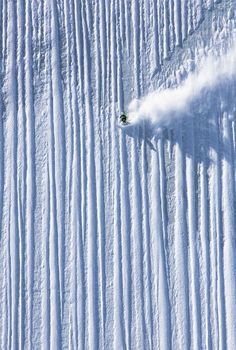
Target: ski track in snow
<point>110,239</point>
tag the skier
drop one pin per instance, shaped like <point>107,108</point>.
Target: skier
<point>123,118</point>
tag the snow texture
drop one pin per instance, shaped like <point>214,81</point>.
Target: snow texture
<point>161,107</point>
<point>116,238</point>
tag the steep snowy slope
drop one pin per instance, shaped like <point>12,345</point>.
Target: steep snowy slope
<point>113,239</point>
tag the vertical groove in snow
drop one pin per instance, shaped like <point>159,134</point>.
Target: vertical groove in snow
<point>77,191</point>
<point>136,45</point>
<point>228,209</point>
<point>30,159</point>
<point>54,168</point>
<point>125,237</point>
<point>216,256</point>
<point>46,267</point>
<point>184,18</point>
<point>119,341</point>
<point>91,191</point>
<point>21,127</point>
<point>2,163</point>
<point>155,39</point>
<point>178,22</point>
<point>165,314</point>
<point>45,302</point>
<point>193,258</point>
<point>166,29</point>
<point>148,320</point>
<point>58,125</point>
<point>13,297</point>
<point>204,255</point>
<point>181,285</point>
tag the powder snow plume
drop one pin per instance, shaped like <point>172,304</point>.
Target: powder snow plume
<point>162,106</point>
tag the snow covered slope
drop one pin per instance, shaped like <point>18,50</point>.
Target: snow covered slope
<point>113,239</point>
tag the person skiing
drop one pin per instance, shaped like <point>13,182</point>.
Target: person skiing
<point>123,118</point>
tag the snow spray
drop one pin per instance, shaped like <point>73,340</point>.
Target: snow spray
<point>162,106</point>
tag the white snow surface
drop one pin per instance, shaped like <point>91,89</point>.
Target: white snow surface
<point>160,107</point>
<point>116,237</point>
